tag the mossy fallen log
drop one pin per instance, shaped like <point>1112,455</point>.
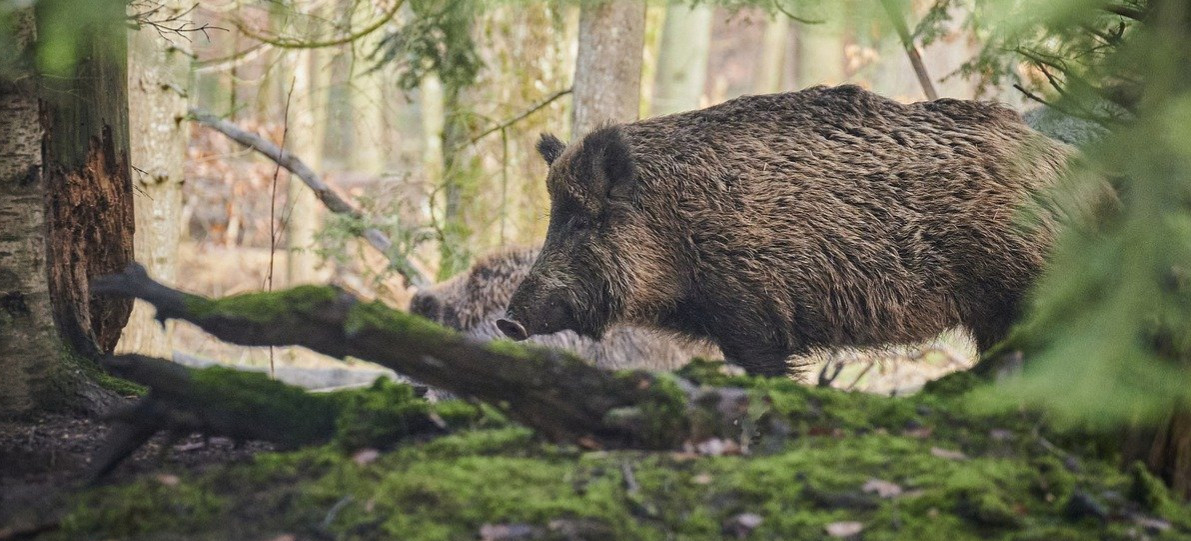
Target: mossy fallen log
<point>242,406</point>
<point>550,391</point>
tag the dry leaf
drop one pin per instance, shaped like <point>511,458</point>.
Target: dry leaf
<point>507,532</point>
<point>882,488</point>
<point>364,457</point>
<point>844,529</point>
<point>948,454</point>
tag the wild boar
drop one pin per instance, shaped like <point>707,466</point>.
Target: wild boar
<point>474,300</point>
<point>781,224</point>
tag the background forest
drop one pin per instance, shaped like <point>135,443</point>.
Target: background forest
<point>426,116</point>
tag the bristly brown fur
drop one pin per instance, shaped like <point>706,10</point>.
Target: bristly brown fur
<point>778,224</point>
<point>474,300</point>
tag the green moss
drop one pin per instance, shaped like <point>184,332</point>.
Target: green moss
<point>265,307</point>
<point>92,371</point>
<point>1147,490</point>
<point>70,373</point>
<point>381,415</point>
<point>659,420</point>
<point>1005,486</point>
<point>232,398</point>
<point>376,315</point>
<point>190,510</point>
<point>953,384</point>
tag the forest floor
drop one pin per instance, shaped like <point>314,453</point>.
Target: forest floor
<point>832,464</point>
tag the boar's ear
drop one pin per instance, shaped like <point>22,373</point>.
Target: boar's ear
<point>550,147</point>
<point>611,161</point>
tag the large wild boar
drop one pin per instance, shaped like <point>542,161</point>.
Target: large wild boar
<point>474,300</point>
<point>780,224</point>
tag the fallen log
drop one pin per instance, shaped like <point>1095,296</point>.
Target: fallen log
<point>243,406</point>
<point>553,392</point>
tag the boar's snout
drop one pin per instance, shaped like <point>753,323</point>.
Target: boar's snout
<point>536,312</point>
<point>512,329</point>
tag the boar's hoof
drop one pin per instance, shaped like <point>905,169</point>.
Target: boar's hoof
<point>512,329</point>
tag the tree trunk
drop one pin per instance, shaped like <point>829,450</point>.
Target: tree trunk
<point>304,134</point>
<point>821,53</point>
<point>158,92</point>
<point>66,215</point>
<point>458,174</point>
<point>773,56</point>
<point>607,85</point>
<point>682,61</point>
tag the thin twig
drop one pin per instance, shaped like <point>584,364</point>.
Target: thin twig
<point>903,33</point>
<point>291,43</point>
<point>518,118</point>
<point>1126,11</point>
<point>273,208</point>
<point>777,4</point>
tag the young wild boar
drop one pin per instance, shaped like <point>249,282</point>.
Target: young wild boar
<point>775,225</point>
<point>473,301</point>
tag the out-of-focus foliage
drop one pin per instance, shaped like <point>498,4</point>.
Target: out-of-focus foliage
<point>1108,339</point>
<point>437,39</point>
<point>61,28</point>
<point>1064,45</point>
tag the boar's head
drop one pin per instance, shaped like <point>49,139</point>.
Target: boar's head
<point>605,258</point>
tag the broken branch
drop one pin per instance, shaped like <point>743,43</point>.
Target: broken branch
<point>903,33</point>
<point>404,266</point>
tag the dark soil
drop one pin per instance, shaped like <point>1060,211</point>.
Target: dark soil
<point>47,456</point>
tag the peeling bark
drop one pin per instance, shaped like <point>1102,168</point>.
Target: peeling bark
<point>88,186</point>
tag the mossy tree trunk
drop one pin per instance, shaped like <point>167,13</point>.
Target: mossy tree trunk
<point>66,214</point>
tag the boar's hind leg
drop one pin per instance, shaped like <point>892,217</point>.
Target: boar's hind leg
<point>991,327</point>
<point>757,361</point>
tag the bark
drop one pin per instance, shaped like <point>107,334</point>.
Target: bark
<point>65,216</point>
<point>555,393</point>
<point>607,85</point>
<point>682,60</point>
<point>1170,452</point>
<point>27,335</point>
<point>158,86</point>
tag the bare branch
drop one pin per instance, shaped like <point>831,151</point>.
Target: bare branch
<point>519,117</point>
<point>1128,12</point>
<point>403,265</point>
<point>293,43</point>
<point>903,33</point>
